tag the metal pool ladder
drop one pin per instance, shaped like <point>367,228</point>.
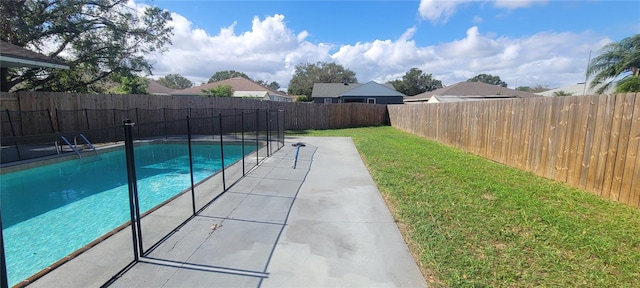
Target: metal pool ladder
<point>74,147</point>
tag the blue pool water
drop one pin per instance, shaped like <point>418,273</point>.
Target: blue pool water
<point>50,211</point>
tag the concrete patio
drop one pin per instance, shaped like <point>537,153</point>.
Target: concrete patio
<point>322,224</point>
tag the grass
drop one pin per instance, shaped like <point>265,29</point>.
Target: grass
<point>471,222</point>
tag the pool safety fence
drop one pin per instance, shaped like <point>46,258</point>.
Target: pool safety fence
<point>24,143</point>
<point>229,144</point>
<point>37,122</point>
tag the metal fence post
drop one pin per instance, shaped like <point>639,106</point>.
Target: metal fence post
<point>268,144</point>
<point>133,190</point>
<point>278,128</point>
<point>224,183</point>
<point>193,194</point>
<point>257,136</point>
<point>242,134</point>
<point>164,116</point>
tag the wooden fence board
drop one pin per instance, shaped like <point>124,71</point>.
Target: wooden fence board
<point>506,131</point>
<point>482,129</point>
<point>589,144</point>
<point>528,133</point>
<point>613,149</point>
<point>576,138</point>
<point>618,183</point>
<point>494,136</point>
<point>539,119</point>
<point>605,133</point>
<point>544,143</point>
<point>561,133</point>
<point>632,171</point>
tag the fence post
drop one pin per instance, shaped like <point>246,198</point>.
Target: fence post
<point>284,123</point>
<point>224,184</point>
<point>4,282</point>
<point>193,194</point>
<point>268,146</point>
<point>279,129</point>
<point>242,134</point>
<point>134,209</point>
<point>164,117</point>
<point>257,135</point>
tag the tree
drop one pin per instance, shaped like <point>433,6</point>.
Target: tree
<point>273,85</point>
<point>133,85</point>
<point>535,89</point>
<point>304,99</point>
<point>219,91</point>
<point>415,82</point>
<point>306,75</point>
<point>489,79</point>
<point>175,81</point>
<point>227,74</point>
<point>562,93</point>
<point>617,58</point>
<point>96,38</point>
<point>628,85</point>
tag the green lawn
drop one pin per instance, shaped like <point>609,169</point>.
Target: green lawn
<point>472,222</point>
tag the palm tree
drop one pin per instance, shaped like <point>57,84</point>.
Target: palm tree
<point>615,60</point>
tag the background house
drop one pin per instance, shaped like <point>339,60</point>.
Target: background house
<point>371,92</point>
<point>468,91</point>
<point>242,88</point>
<point>156,88</point>
<point>577,90</point>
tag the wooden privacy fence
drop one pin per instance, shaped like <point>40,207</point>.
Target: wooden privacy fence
<point>590,142</point>
<point>32,113</point>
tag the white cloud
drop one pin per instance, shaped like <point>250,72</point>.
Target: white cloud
<point>267,49</point>
<point>514,4</point>
<point>270,50</point>
<point>438,10</point>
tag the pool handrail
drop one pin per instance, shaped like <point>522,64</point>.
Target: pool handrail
<point>75,141</point>
<point>70,146</point>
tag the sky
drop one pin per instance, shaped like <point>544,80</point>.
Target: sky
<point>525,42</point>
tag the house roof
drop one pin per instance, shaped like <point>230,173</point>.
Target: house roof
<point>158,89</point>
<point>331,90</point>
<point>15,56</point>
<point>237,84</point>
<point>471,89</point>
<point>577,89</point>
<point>372,89</point>
<point>451,99</point>
<point>335,90</point>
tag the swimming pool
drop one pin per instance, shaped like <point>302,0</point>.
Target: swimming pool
<point>45,210</point>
